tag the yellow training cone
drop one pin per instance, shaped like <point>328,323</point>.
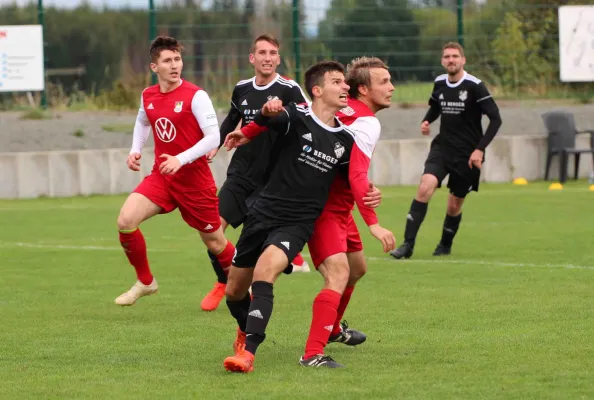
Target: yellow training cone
<point>592,188</point>
<point>556,186</point>
<point>520,181</point>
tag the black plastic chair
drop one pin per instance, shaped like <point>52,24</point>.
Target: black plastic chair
<point>561,141</point>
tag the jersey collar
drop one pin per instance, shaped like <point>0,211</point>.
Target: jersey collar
<point>452,85</point>
<point>272,82</point>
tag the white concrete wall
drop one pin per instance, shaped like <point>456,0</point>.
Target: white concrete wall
<point>395,162</point>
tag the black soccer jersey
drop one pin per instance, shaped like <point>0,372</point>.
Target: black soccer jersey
<point>310,154</point>
<point>462,105</point>
<point>250,162</point>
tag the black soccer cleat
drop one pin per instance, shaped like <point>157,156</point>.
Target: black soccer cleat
<point>320,360</point>
<point>404,251</point>
<point>442,250</point>
<point>350,337</point>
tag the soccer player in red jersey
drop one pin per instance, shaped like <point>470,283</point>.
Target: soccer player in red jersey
<point>185,128</point>
<point>335,246</point>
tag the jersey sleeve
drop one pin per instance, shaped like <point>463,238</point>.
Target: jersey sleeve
<point>296,95</point>
<point>489,108</point>
<point>367,132</point>
<point>233,117</point>
<point>358,169</point>
<point>433,99</point>
<point>279,123</point>
<point>434,108</point>
<point>485,100</point>
<point>204,112</point>
<point>141,129</point>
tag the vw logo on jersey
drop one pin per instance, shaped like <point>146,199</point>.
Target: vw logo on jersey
<point>307,149</point>
<point>165,130</point>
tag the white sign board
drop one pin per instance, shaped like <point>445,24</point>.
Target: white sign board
<point>576,43</point>
<point>21,58</point>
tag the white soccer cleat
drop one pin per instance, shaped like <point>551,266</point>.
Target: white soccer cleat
<point>301,268</point>
<point>137,291</point>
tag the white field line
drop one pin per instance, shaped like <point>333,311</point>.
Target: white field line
<point>387,258</point>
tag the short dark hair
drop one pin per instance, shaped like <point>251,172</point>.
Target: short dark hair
<point>358,73</point>
<point>314,76</point>
<point>454,45</point>
<point>164,43</point>
<point>265,38</point>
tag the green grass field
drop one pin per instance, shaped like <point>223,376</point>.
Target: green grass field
<point>509,315</point>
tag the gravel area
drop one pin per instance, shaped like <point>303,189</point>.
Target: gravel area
<point>90,130</point>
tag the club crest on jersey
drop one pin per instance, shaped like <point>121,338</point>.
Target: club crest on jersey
<point>338,150</point>
<point>348,110</point>
<point>463,94</point>
<point>178,106</point>
<point>270,98</point>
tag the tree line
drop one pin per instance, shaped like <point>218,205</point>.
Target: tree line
<point>512,44</point>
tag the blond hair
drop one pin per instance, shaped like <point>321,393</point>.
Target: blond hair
<point>358,73</point>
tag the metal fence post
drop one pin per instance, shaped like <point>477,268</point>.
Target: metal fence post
<point>40,22</point>
<point>152,31</point>
<point>297,41</point>
<point>460,13</point>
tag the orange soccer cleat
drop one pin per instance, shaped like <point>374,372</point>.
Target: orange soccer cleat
<point>243,361</point>
<point>239,343</point>
<point>211,301</point>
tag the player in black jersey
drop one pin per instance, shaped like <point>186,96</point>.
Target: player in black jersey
<point>246,171</point>
<point>458,150</point>
<point>312,147</point>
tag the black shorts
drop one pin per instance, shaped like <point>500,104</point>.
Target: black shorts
<point>257,235</point>
<point>235,198</point>
<point>441,162</point>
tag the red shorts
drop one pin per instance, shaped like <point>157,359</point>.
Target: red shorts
<point>199,207</point>
<point>334,233</point>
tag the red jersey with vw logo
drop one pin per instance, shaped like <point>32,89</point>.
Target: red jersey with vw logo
<point>363,122</point>
<point>176,129</point>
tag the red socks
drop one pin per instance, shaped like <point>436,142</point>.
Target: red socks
<point>225,258</point>
<point>344,302</point>
<point>298,260</point>
<point>324,315</point>
<point>135,249</point>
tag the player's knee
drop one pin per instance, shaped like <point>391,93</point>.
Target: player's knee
<point>127,221</point>
<point>336,275</point>
<point>454,205</point>
<point>233,291</point>
<point>357,274</point>
<point>215,243</point>
<point>426,188</point>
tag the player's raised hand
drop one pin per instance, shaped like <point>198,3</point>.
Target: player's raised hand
<point>211,154</point>
<point>235,139</point>
<point>133,161</point>
<point>170,166</point>
<point>374,196</point>
<point>272,108</point>
<point>476,159</point>
<point>385,236</point>
<point>425,129</point>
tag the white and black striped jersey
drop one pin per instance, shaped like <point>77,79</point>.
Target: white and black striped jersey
<point>249,162</point>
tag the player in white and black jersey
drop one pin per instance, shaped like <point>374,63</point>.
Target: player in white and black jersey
<point>247,169</point>
<point>312,147</point>
<point>458,150</point>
